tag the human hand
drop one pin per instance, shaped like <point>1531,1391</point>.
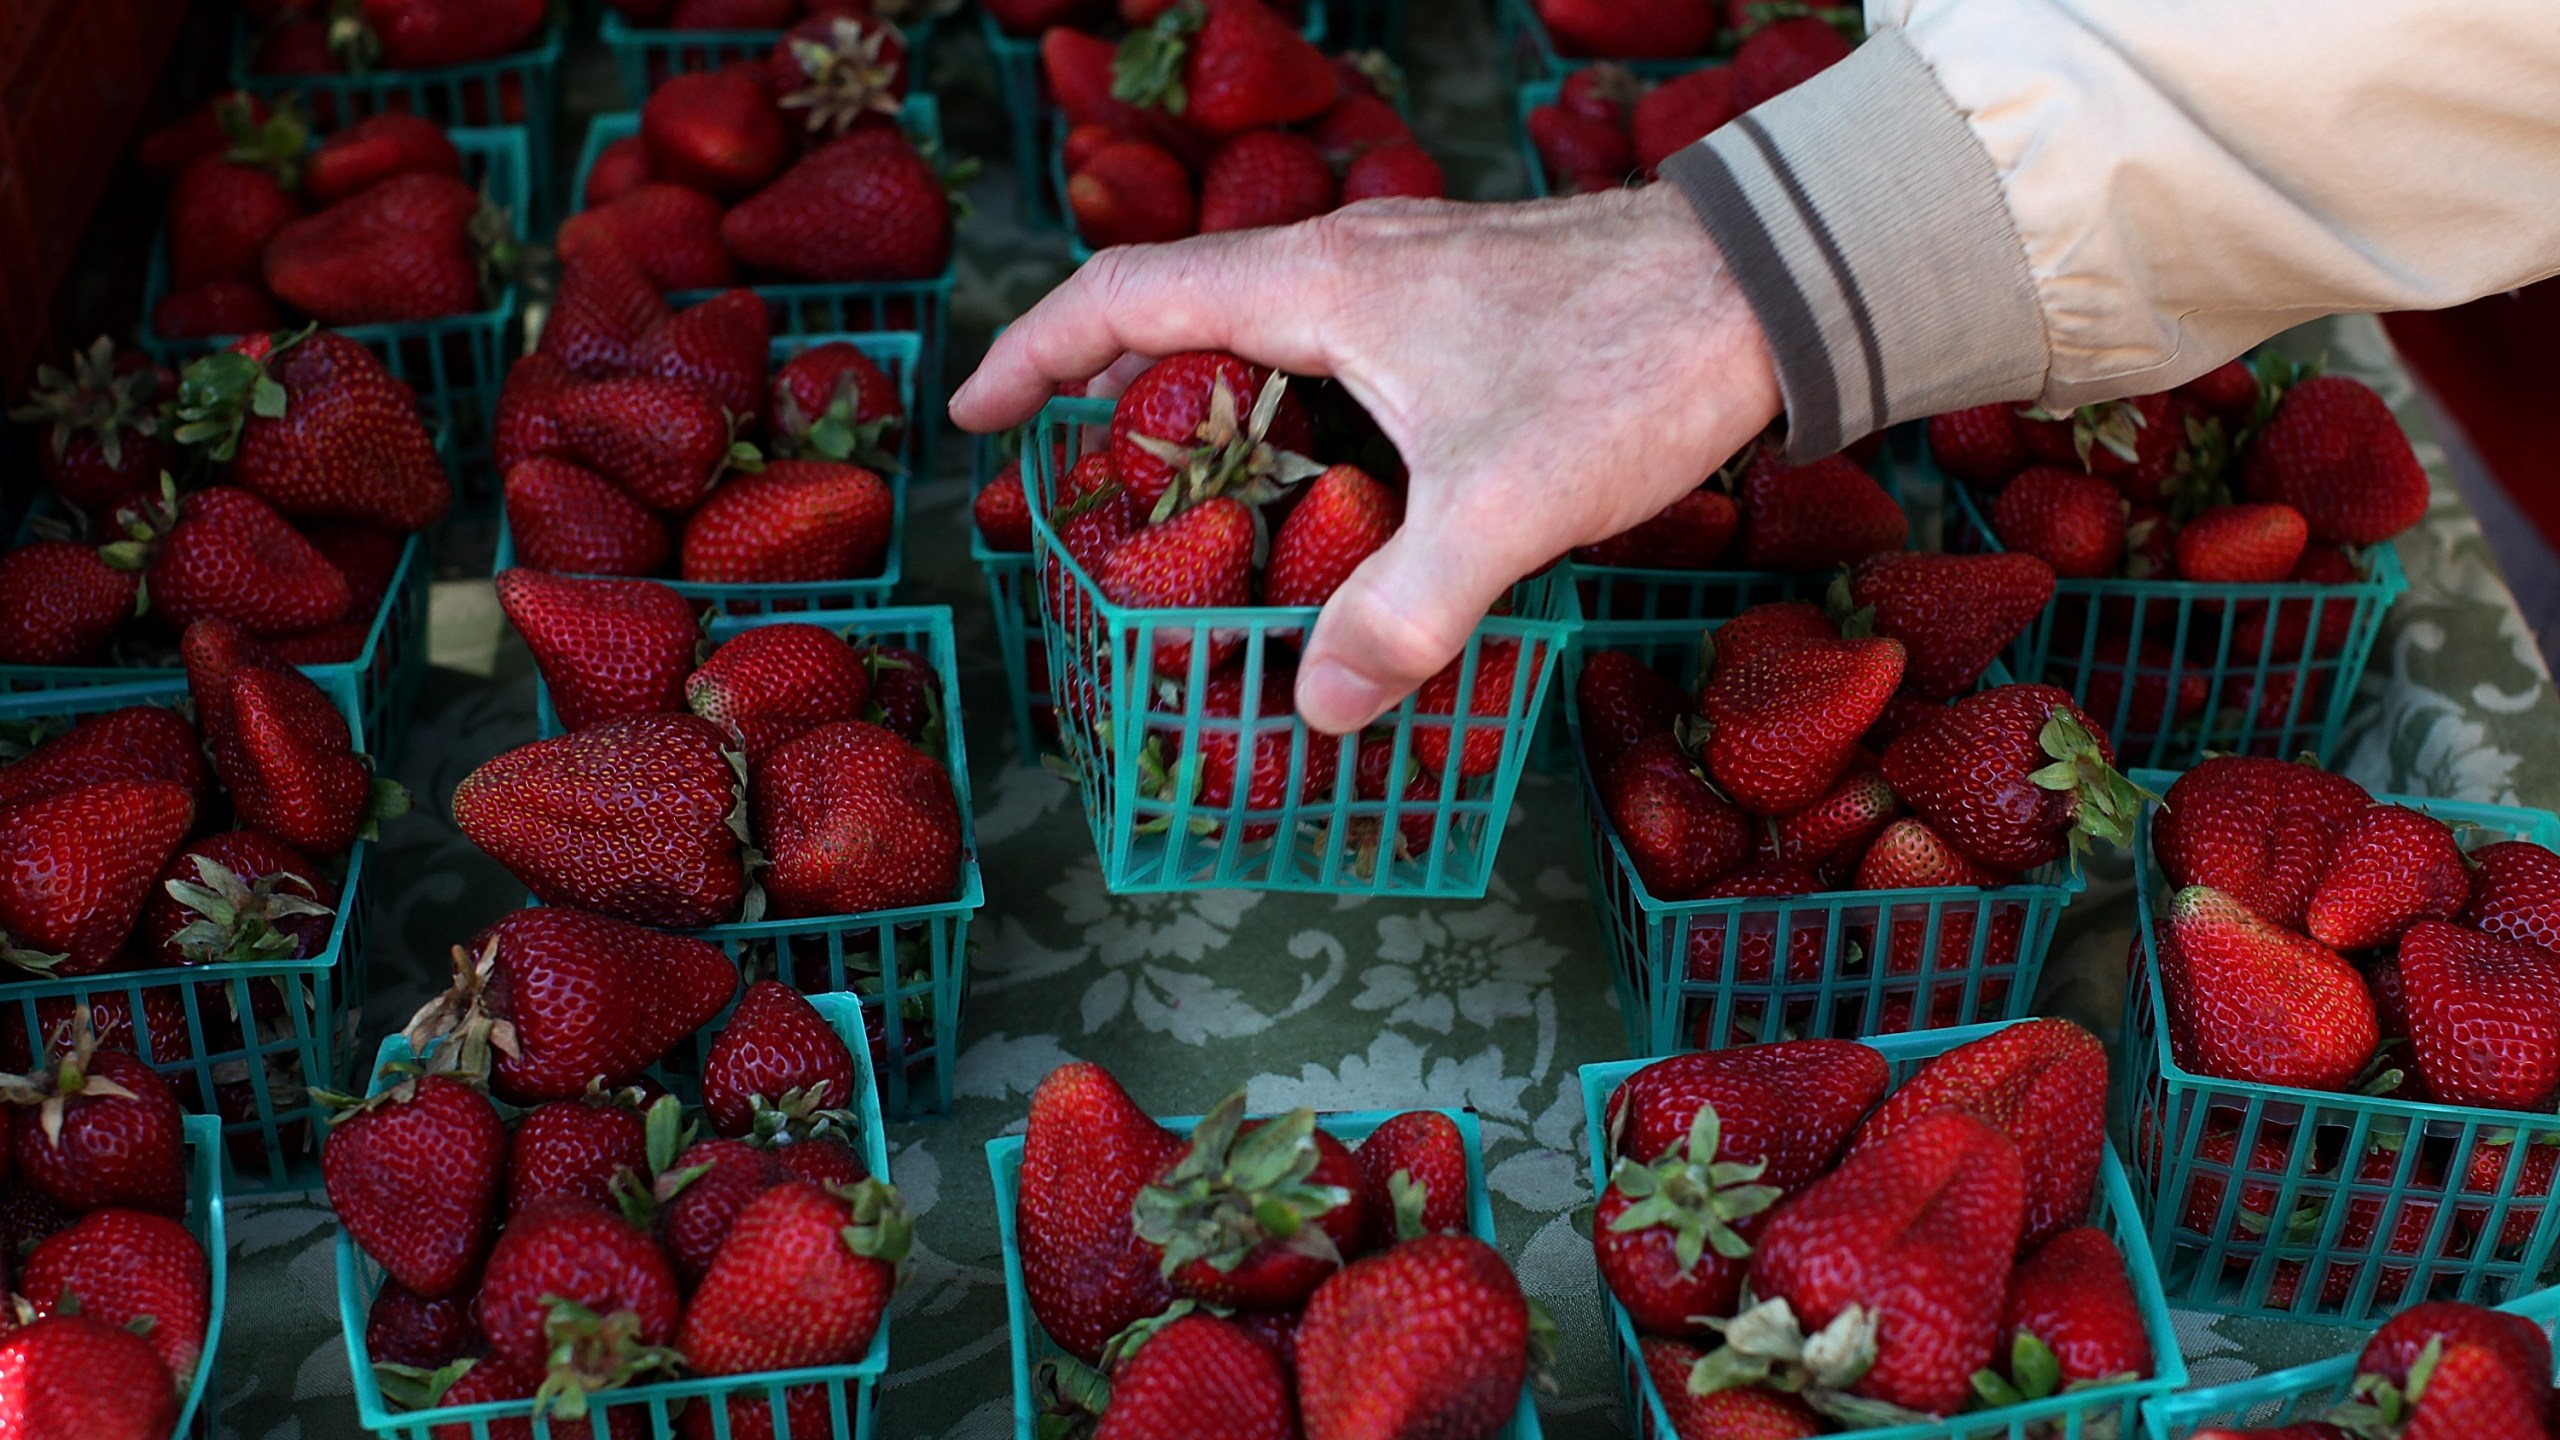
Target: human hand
<point>1552,373</point>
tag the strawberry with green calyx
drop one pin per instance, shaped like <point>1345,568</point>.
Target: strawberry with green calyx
<point>1253,1216</point>
<point>62,602</point>
<point>2044,1084</point>
<point>1087,1152</point>
<point>581,1296</point>
<point>122,1267</point>
<point>102,418</point>
<point>2109,438</point>
<point>1181,428</point>
<point>2014,777</point>
<point>1746,1412</point>
<point>314,425</point>
<point>76,869</point>
<point>1232,456</point>
<point>223,553</point>
<point>1679,832</point>
<point>666,440</point>
<point>1657,1222</point>
<point>583,1148</point>
<point>1413,1177</point>
<point>839,70</point>
<point>779,1050</point>
<point>2072,1322</point>
<point>1792,1105</point>
<point>1180,1374</point>
<point>1785,721</point>
<point>831,402</point>
<point>414,1175</point>
<point>97,1128</point>
<point>773,683</point>
<point>2470,1375</point>
<point>222,915</point>
<point>2252,1001</point>
<point>1225,68</point>
<point>801,1281</point>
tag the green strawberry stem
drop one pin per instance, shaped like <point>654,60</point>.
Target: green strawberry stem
<point>882,1229</point>
<point>218,394</point>
<point>1409,1197</point>
<point>2107,801</point>
<point>1227,1195</point>
<point>1694,1195</point>
<point>590,1352</point>
<point>2034,1373</point>
<point>411,1388</point>
<point>238,919</point>
<point>1148,72</point>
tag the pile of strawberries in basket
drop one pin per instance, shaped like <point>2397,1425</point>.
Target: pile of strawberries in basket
<point>1607,127</point>
<point>1221,116</point>
<point>758,14</point>
<point>307,469</point>
<point>1259,1279</point>
<point>792,169</point>
<point>375,226</point>
<point>307,37</point>
<point>1905,1255</point>
<point>2439,1369</point>
<point>625,440</point>
<point>1760,513</point>
<point>597,1242</point>
<point>115,1291</point>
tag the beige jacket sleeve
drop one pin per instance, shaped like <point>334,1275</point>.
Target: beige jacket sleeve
<point>2073,200</point>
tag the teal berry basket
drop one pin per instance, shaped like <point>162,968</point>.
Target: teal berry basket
<point>2168,666</point>
<point>852,1390</point>
<point>1031,1344</point>
<point>920,306</point>
<point>2239,1155</point>
<point>897,354</point>
<point>1013,598</point>
<point>1127,719</point>
<point>913,999</point>
<point>648,56</point>
<point>2081,1411</point>
<point>2287,1397</point>
<point>183,1020</point>
<point>1703,974</point>
<point>204,1220</point>
<point>455,362</point>
<point>518,89</point>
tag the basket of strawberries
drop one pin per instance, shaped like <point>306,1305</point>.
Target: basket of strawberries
<point>1861,792</point>
<point>116,1254</point>
<point>2342,1043</point>
<point>1924,1236</point>
<point>2224,547</point>
<point>1172,627</point>
<point>653,41</point>
<point>1328,1275</point>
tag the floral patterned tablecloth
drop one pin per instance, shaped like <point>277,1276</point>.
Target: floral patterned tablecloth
<point>1338,1004</point>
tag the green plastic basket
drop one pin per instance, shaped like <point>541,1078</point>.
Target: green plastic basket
<point>2285,1397</point>
<point>916,1004</point>
<point>895,353</point>
<point>853,1390</point>
<point>2227,1264</point>
<point>1110,712</point>
<point>455,363</point>
<point>454,96</point>
<point>204,1220</point>
<point>648,56</point>
<point>2078,1412</point>
<point>257,1079</point>
<point>1013,597</point>
<point>1031,1344</point>
<point>1531,52</point>
<point>2306,694</point>
<point>1651,941</point>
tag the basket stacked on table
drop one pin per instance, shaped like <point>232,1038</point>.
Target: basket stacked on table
<point>653,41</point>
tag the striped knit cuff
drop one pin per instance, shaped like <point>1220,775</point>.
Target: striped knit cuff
<point>1865,225</point>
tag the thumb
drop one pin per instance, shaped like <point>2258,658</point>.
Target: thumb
<point>1399,619</point>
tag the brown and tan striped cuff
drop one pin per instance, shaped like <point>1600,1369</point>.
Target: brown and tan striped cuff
<point>1865,224</point>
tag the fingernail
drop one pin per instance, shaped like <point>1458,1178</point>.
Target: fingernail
<point>1336,699</point>
<point>960,397</point>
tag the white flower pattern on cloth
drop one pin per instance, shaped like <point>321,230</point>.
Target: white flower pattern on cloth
<point>1485,965</point>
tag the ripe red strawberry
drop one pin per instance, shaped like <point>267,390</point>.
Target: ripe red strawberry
<point>230,555</point>
<point>404,1328</point>
<point>291,766</point>
<point>1672,1236</point>
<point>1678,833</point>
<point>801,1281</point>
<point>136,742</point>
<point>1083,142</point>
<point>1413,1175</point>
<point>600,312</point>
<point>1188,417</point>
<point>60,603</point>
<point>1201,557</point>
<point>1265,772</point>
<point>567,518</point>
<point>1342,519</point>
<point>1932,1211</point>
<point>1780,56</point>
<point>1499,690</point>
<point>1791,1106</point>
<point>1358,123</point>
<point>1086,1154</point>
<point>1832,831</point>
<point>838,69</point>
<point>75,1375</point>
<point>76,868</point>
<point>1815,517</point>
<point>2013,777</point>
<point>224,205</point>
<point>2455,1370</point>
<point>1786,720</point>
<point>2072,1319</point>
<point>102,440</point>
<point>1619,701</point>
<point>1748,1412</point>
<point>2044,1084</point>
<point>2249,1001</point>
<point>1655,29</point>
<point>240,895</point>
<point>2322,563</point>
<point>420,35</point>
<point>672,232</point>
<point>2393,867</point>
<point>1576,147</point>
<point>1132,193</point>
<point>853,820</point>
<point>2484,1016</point>
<point>2260,830</point>
<point>1199,1375</point>
<point>1265,177</point>
<point>203,130</point>
<point>2515,893</point>
<point>412,247</point>
<point>373,150</point>
<point>773,683</point>
<point>1692,533</point>
<point>2242,544</point>
<point>576,1291</point>
<point>1908,855</point>
<point>1679,112</point>
<point>722,347</point>
<point>1771,625</point>
<point>700,1198</point>
<point>1954,614</point>
<point>120,1266</point>
<point>574,1148</point>
<point>666,441</point>
<point>716,131</point>
<point>1002,512</point>
<point>346,443</point>
<point>1253,1215</point>
<point>1981,445</point>
<point>1225,67</point>
<point>830,402</point>
<point>822,1160</point>
<point>1393,170</point>
<point>557,813</point>
<point>99,1128</point>
<point>1432,1333</point>
<point>607,649</point>
<point>799,521</point>
<point>590,1000</point>
<point>1605,91</point>
<point>863,208</point>
<point>906,696</point>
<point>2074,522</point>
<point>2334,452</point>
<point>413,1175</point>
<point>527,425</point>
<point>776,1053</point>
<point>2229,390</point>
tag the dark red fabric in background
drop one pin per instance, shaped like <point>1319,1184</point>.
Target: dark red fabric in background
<point>2495,364</point>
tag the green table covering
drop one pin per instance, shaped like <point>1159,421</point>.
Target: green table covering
<point>1338,1004</point>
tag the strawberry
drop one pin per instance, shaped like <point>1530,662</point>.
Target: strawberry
<point>774,683</point>
<point>1677,831</point>
<point>413,1175</point>
<point>316,427</point>
<point>1132,193</point>
<point>777,1053</point>
<point>1429,1337</point>
<point>1981,445</point>
<point>2013,777</point>
<point>1253,1215</point>
<point>2229,390</point>
<point>135,742</point>
<point>1815,517</point>
<point>1679,112</point>
<point>2393,867</point>
<point>240,896</point>
<point>722,347</point>
<point>204,130</point>
<point>2487,1175</point>
<point>556,813</point>
<point>906,696</point>
<point>1357,123</point>
<point>1908,855</point>
<point>1413,1177</point>
<point>404,1328</point>
<point>620,168</point>
<point>1198,1375</point>
<point>1620,701</point>
<point>801,1281</point>
<point>1341,520</point>
<point>1392,170</point>
<point>1500,690</point>
<point>568,518</point>
<point>600,312</point>
<point>1225,67</point>
<point>2334,452</point>
<point>77,866</point>
<point>1842,824</point>
<point>1791,1106</point>
<point>1190,422</point>
<point>1771,625</point>
<point>862,208</point>
<point>2261,831</point>
<point>527,423</point>
<point>2446,1369</point>
<point>715,131</point>
<point>1781,55</point>
<point>75,1375</point>
<point>99,1128</point>
<point>1903,1249</point>
<point>1657,1222</point>
<point>412,247</point>
<point>2515,893</point>
<point>830,402</point>
<point>1082,72</point>
<point>607,649</point>
<point>291,766</point>
<point>1265,177</point>
<point>427,34</point>
<point>836,70</point>
<point>1002,512</point>
<point>1220,764</point>
<point>1606,91</point>
<point>2249,1001</point>
<point>574,1148</point>
<point>2074,522</point>
<point>1785,720</point>
<point>60,603</point>
<point>1954,614</point>
<point>1083,142</point>
<point>2071,1320</point>
<point>1200,558</point>
<point>231,556</point>
<point>576,1290</point>
<point>1575,147</point>
<point>1755,947</point>
<point>2241,544</point>
<point>2484,1016</point>
<point>822,1160</point>
<point>1691,533</point>
<point>799,521</point>
<point>700,1197</point>
<point>373,150</point>
<point>1653,29</point>
<point>2044,1084</point>
<point>1747,1412</point>
<point>225,204</point>
<point>854,820</point>
<point>102,439</point>
<point>120,1266</point>
<point>2154,706</point>
<point>672,232</point>
<point>1086,1154</point>
<point>666,441</point>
